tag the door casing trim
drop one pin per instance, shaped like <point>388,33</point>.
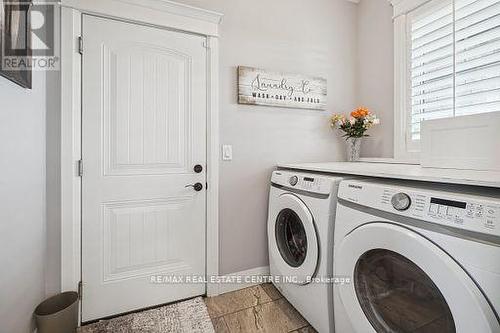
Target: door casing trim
<point>187,19</point>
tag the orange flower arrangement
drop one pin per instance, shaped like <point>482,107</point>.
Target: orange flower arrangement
<point>360,113</point>
<point>361,120</point>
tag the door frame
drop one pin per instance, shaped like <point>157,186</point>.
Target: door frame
<point>161,14</point>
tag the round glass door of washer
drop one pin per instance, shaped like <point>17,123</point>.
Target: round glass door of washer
<point>291,237</point>
<point>294,247</point>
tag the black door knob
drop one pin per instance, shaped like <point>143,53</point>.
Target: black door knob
<point>197,187</point>
<point>198,168</point>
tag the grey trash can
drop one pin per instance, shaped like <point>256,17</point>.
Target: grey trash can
<point>58,314</point>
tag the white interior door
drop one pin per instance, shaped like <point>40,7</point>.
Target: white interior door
<point>144,130</point>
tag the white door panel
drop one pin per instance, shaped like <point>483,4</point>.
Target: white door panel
<point>144,129</point>
<point>146,119</point>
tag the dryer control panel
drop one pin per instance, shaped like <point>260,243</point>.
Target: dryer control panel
<point>469,212</point>
<point>305,182</point>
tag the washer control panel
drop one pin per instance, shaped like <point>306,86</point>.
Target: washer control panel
<point>304,182</point>
<point>468,212</point>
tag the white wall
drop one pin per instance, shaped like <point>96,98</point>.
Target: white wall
<point>314,37</point>
<point>22,198</point>
<point>375,73</point>
<point>53,184</point>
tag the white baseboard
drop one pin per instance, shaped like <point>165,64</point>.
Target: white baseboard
<point>223,288</point>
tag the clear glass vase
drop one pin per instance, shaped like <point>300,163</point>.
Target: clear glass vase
<point>353,149</point>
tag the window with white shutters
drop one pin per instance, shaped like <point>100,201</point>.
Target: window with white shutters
<point>454,60</point>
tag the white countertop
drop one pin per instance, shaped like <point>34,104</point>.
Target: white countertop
<point>403,171</point>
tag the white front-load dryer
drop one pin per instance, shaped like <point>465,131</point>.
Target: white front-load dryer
<point>421,258</point>
<point>300,238</point>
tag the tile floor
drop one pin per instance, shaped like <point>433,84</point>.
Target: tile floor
<point>256,309</point>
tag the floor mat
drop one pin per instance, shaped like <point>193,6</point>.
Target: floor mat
<point>188,316</point>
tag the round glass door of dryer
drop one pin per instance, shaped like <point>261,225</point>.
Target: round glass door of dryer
<point>397,296</point>
<point>403,282</point>
<point>294,247</point>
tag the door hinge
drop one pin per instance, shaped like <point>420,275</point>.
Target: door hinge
<point>80,168</point>
<point>206,186</point>
<point>80,290</point>
<point>80,45</point>
<point>206,44</point>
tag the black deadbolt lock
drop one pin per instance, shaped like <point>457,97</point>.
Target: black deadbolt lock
<point>198,168</point>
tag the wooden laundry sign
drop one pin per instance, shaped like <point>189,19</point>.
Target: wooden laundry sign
<point>261,87</point>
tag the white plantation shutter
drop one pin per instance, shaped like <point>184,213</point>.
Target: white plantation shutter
<point>455,60</point>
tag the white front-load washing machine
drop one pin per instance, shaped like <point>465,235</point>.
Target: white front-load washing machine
<point>421,258</point>
<point>300,238</point>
